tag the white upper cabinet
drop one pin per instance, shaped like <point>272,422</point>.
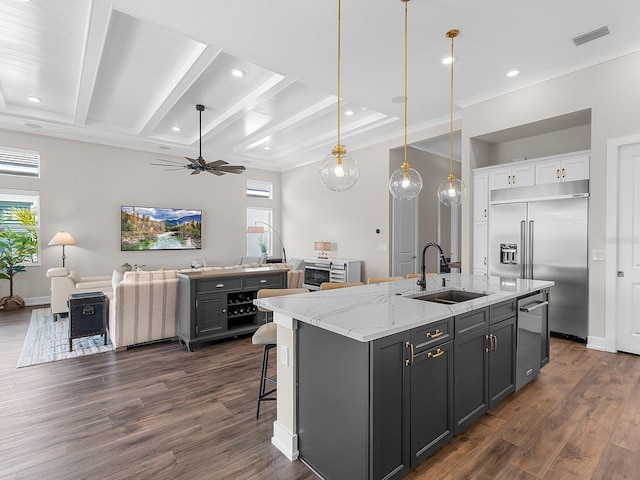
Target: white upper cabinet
<point>480,197</point>
<point>564,169</point>
<point>521,175</point>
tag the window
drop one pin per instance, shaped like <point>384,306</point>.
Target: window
<point>19,211</point>
<point>260,189</point>
<point>258,217</point>
<point>24,163</point>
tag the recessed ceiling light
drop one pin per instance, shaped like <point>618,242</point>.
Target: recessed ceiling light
<point>164,147</point>
<point>267,147</point>
<point>175,129</point>
<point>513,73</point>
<point>448,60</point>
<point>398,99</point>
<point>348,113</point>
<point>237,73</point>
<point>33,99</point>
<point>32,125</point>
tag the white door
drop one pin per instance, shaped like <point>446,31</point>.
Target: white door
<point>628,248</point>
<point>405,237</point>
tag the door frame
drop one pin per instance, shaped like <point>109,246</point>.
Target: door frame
<point>611,247</point>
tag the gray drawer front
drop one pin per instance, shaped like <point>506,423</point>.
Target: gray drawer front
<point>502,311</point>
<point>218,285</point>
<point>263,281</point>
<point>471,322</point>
<point>429,336</point>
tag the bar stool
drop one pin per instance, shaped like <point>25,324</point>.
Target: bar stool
<point>267,335</point>
<point>373,280</point>
<point>334,285</point>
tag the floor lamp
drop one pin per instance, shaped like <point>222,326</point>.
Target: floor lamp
<point>62,238</point>
<point>257,229</point>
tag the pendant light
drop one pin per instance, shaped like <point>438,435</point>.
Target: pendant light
<point>405,183</point>
<point>339,170</point>
<point>452,191</point>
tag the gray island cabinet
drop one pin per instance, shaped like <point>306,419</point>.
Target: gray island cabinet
<point>372,381</point>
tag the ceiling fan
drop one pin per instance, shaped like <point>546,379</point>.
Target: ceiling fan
<point>197,165</point>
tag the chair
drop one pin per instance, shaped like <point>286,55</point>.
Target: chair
<point>383,279</point>
<point>334,285</point>
<point>267,335</point>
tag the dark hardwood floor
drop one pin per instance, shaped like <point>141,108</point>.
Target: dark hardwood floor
<point>160,412</point>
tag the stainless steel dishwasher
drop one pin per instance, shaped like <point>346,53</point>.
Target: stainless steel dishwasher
<point>532,315</point>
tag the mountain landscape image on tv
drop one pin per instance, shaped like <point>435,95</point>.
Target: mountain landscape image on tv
<point>150,228</point>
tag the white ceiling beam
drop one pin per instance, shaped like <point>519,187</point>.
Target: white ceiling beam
<point>193,67</point>
<point>96,37</point>
<point>305,116</point>
<point>274,84</point>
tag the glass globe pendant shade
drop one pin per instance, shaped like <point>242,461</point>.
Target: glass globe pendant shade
<point>339,170</point>
<point>405,183</point>
<point>452,191</point>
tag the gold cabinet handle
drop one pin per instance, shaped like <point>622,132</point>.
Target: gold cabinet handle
<point>558,173</point>
<point>436,334</point>
<point>439,352</point>
<point>514,180</point>
<point>487,349</point>
<point>485,213</point>
<point>409,362</point>
<point>509,179</point>
<point>495,343</point>
<point>563,173</point>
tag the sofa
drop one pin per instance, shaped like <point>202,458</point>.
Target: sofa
<point>143,305</point>
<point>64,282</point>
<point>143,308</point>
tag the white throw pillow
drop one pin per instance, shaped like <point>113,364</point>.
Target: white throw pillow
<point>116,278</point>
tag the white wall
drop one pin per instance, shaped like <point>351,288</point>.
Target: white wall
<point>83,185</point>
<point>611,91</point>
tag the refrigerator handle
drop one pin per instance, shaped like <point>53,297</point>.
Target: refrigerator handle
<point>523,265</point>
<point>530,249</point>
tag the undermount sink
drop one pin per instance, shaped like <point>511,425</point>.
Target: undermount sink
<point>449,297</point>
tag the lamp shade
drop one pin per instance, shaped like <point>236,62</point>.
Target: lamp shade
<point>255,229</point>
<point>62,238</point>
<point>322,246</point>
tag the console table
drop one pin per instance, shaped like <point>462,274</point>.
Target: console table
<point>219,304</point>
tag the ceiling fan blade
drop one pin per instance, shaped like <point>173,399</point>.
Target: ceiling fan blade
<point>192,160</point>
<point>215,172</point>
<point>217,163</point>
<point>232,168</point>
<point>167,161</point>
<point>195,172</point>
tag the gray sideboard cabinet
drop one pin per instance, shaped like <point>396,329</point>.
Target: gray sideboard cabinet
<point>219,304</point>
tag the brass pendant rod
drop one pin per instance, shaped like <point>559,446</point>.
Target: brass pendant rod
<point>405,165</point>
<point>451,34</point>
<point>339,28</point>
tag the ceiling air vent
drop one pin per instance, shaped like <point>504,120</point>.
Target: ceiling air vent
<point>587,37</point>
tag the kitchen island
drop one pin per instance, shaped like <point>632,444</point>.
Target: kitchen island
<point>371,380</point>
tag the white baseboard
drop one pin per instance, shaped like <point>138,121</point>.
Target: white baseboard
<point>285,441</point>
<point>33,301</point>
<point>596,343</point>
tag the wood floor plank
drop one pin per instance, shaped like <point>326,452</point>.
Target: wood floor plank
<point>158,411</point>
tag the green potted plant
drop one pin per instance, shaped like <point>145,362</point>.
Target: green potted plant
<point>16,248</point>
<point>263,244</point>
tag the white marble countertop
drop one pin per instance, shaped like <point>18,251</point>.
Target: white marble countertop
<point>370,312</point>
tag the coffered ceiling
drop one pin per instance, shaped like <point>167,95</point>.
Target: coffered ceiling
<point>130,72</point>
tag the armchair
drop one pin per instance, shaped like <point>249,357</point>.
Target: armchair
<point>65,282</point>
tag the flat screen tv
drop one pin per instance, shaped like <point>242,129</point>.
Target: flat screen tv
<point>151,228</point>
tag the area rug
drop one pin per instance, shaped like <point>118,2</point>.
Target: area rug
<point>48,341</point>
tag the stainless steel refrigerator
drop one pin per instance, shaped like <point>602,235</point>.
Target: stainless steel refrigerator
<point>545,238</point>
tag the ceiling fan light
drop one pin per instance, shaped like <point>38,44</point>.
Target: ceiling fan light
<point>452,191</point>
<point>339,170</point>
